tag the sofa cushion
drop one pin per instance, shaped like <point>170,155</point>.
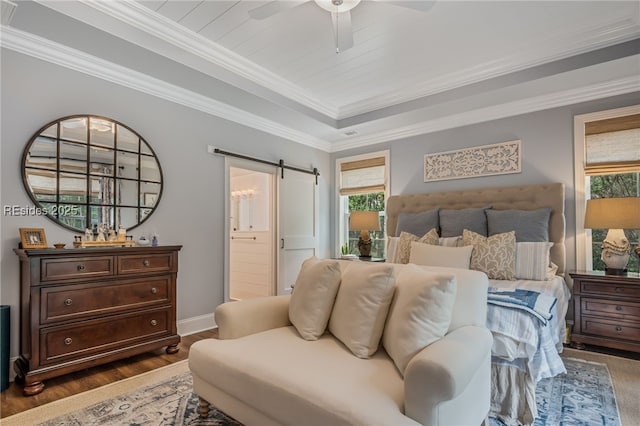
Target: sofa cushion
<point>420,313</point>
<point>430,255</point>
<point>303,382</point>
<point>313,296</point>
<point>361,306</point>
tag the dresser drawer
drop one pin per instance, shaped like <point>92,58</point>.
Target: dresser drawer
<point>53,269</point>
<point>77,341</point>
<point>609,289</point>
<point>140,264</point>
<point>611,329</point>
<point>613,309</point>
<point>61,303</point>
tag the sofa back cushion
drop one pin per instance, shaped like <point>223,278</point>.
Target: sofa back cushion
<point>361,306</point>
<point>313,296</point>
<point>420,313</point>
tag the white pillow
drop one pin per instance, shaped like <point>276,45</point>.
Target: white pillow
<point>361,307</point>
<point>313,296</point>
<point>392,248</point>
<point>450,257</point>
<point>450,241</point>
<point>420,313</point>
<point>532,261</point>
<point>404,244</point>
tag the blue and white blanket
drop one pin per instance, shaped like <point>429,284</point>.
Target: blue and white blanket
<point>536,304</point>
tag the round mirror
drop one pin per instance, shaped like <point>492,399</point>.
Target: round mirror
<point>83,171</point>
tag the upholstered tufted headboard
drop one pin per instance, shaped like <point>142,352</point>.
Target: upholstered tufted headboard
<point>528,197</point>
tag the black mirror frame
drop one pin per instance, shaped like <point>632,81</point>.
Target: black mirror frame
<point>87,203</point>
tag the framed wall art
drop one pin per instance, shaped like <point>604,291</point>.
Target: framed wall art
<point>486,160</point>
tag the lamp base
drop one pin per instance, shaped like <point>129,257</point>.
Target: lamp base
<point>364,246</point>
<point>615,271</point>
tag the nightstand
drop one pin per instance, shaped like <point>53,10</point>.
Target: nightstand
<point>606,310</point>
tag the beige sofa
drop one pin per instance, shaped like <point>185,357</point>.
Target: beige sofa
<point>262,372</point>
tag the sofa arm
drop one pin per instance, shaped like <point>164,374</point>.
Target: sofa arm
<point>249,316</point>
<point>443,370</point>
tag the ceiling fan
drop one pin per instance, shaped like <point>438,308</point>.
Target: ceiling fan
<point>340,14</point>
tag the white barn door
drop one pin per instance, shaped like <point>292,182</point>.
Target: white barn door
<point>297,225</point>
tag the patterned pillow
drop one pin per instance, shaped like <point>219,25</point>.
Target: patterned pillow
<point>403,251</point>
<point>494,255</point>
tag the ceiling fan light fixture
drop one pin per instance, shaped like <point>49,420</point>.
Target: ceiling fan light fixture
<point>338,6</point>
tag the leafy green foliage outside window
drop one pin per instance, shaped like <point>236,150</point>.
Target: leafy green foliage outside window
<point>371,202</point>
<point>613,186</point>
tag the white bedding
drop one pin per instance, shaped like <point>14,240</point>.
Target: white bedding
<point>521,340</point>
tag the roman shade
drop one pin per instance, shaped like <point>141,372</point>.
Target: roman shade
<point>613,145</point>
<point>362,176</point>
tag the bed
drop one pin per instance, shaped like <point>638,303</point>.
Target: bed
<point>526,347</point>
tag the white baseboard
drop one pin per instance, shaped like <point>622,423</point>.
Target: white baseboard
<point>185,327</point>
<point>196,324</point>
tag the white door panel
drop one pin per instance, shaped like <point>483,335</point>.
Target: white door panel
<point>298,225</point>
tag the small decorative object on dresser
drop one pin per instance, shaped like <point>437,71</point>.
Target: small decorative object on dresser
<point>606,310</point>
<point>84,307</point>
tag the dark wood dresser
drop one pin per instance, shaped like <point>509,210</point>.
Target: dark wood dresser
<point>606,310</point>
<point>89,306</point>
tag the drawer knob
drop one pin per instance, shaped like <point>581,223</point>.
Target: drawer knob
<point>68,341</point>
<point>619,289</point>
<point>80,267</point>
<point>67,302</point>
<point>618,308</point>
<point>618,329</point>
<point>154,290</point>
<point>154,323</point>
<point>146,262</point>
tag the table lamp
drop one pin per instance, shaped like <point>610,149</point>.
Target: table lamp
<point>364,221</point>
<point>614,214</point>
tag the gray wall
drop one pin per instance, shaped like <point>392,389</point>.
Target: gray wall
<point>547,154</point>
<point>191,211</point>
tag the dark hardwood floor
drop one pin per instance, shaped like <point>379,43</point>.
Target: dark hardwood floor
<point>12,400</point>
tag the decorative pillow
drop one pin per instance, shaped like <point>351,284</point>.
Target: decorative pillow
<point>494,255</point>
<point>530,225</point>
<point>361,306</point>
<point>430,255</point>
<point>417,223</point>
<point>453,222</point>
<point>419,315</point>
<point>313,296</point>
<point>532,261</point>
<point>404,244</point>
<point>392,248</point>
<point>451,241</point>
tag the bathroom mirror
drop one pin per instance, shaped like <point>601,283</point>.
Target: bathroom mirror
<point>84,170</point>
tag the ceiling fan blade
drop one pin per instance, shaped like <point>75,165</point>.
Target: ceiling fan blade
<point>421,5</point>
<point>273,7</point>
<point>342,30</point>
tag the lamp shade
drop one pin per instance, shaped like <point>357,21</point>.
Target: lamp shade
<point>364,220</point>
<point>613,213</point>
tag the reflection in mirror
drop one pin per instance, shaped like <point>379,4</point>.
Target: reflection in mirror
<point>87,170</point>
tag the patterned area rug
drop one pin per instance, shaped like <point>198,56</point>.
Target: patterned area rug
<point>584,396</point>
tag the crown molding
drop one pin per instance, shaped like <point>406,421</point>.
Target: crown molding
<point>557,99</point>
<point>162,28</point>
<point>47,50</point>
<point>562,47</point>
<point>144,19</point>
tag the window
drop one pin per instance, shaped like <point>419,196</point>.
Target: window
<point>362,185</point>
<point>607,147</point>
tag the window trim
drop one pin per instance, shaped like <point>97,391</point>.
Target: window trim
<point>583,236</point>
<point>339,218</point>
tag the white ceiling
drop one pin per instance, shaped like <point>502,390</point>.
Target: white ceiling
<point>409,72</point>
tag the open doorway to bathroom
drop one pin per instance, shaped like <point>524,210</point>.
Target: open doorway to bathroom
<point>252,256</point>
